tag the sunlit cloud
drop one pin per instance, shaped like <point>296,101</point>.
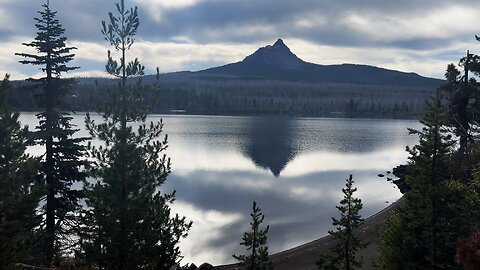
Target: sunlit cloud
<point>87,74</point>
<point>411,36</point>
<point>328,161</point>
<point>207,227</point>
<point>206,159</point>
<point>428,23</point>
<point>156,8</point>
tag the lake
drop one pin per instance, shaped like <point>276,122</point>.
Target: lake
<point>294,168</point>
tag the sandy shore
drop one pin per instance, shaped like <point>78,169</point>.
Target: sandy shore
<point>304,257</point>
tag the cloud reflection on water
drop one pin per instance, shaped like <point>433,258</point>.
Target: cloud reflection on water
<point>297,208</point>
<point>293,167</point>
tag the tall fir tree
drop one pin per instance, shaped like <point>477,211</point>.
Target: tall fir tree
<point>61,164</point>
<point>416,236</point>
<point>463,92</point>
<point>128,221</point>
<point>256,243</point>
<point>18,188</point>
<point>343,254</point>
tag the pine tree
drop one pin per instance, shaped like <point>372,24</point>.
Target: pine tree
<point>431,166</point>
<point>343,254</point>
<point>415,237</point>
<point>128,223</point>
<point>462,94</point>
<point>18,196</point>
<point>255,242</point>
<point>61,164</point>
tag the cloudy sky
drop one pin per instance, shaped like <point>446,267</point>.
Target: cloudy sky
<point>408,35</point>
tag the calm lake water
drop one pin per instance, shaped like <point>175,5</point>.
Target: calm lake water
<point>293,167</point>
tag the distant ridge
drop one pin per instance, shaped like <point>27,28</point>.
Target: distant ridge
<point>278,62</point>
<point>271,81</point>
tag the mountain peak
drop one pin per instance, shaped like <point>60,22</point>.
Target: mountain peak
<point>278,55</point>
<point>280,44</point>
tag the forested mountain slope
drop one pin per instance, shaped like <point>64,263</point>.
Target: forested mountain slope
<point>279,63</point>
<point>272,80</point>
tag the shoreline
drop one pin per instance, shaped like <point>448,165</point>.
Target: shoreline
<point>340,115</point>
<point>303,257</point>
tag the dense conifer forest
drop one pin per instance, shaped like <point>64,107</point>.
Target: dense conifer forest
<point>195,94</point>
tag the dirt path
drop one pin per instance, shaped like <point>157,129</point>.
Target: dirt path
<point>304,257</point>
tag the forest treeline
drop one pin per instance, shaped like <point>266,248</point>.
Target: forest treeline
<point>85,206</point>
<point>191,93</point>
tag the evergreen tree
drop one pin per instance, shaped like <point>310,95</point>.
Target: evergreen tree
<point>343,254</point>
<point>463,93</point>
<point>416,236</point>
<point>61,164</point>
<point>430,167</point>
<point>255,242</point>
<point>18,196</point>
<point>128,223</point>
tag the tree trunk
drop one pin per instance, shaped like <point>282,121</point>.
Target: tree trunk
<point>123,157</point>
<point>49,168</point>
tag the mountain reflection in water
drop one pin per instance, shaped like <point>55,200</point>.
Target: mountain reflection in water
<point>269,143</point>
<point>293,167</point>
<point>272,142</point>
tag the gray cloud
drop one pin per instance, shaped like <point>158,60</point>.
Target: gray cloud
<point>200,21</point>
<point>233,18</point>
<point>408,27</point>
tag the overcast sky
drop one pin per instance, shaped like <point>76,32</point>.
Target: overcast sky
<point>421,36</point>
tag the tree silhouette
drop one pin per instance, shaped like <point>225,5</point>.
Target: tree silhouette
<point>18,188</point>
<point>422,233</point>
<point>61,164</point>
<point>462,92</point>
<point>343,254</point>
<point>255,242</point>
<point>128,223</point>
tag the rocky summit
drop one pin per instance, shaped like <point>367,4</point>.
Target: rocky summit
<point>278,55</point>
<point>278,62</point>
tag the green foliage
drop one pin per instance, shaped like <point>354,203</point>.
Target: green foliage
<point>442,205</point>
<point>128,223</point>
<point>463,95</point>
<point>343,254</point>
<point>61,164</point>
<point>437,210</point>
<point>18,192</point>
<point>120,32</point>
<point>52,56</point>
<point>395,242</point>
<point>255,242</point>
